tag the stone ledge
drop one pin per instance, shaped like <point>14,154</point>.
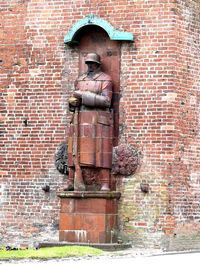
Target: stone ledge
<point>103,246</point>
<point>90,194</point>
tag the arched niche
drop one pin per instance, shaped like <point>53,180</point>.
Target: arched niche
<point>91,19</point>
<point>93,34</point>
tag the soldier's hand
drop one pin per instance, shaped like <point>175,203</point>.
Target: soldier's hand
<point>73,101</point>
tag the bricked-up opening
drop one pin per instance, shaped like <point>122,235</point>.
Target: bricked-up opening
<point>94,39</point>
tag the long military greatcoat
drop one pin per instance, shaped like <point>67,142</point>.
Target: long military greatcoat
<point>92,143</point>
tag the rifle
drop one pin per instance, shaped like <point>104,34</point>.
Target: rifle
<point>78,178</point>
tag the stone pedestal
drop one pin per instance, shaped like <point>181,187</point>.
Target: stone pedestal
<point>88,217</point>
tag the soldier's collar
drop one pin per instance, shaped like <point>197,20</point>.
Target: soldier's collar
<point>95,75</point>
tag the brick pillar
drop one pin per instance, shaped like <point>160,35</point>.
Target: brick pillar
<point>88,217</point>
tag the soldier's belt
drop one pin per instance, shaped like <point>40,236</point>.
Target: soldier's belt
<point>85,108</point>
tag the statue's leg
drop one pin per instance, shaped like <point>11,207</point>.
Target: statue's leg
<point>78,180</point>
<point>105,179</point>
<point>70,180</point>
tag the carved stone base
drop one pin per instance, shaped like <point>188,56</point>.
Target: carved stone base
<point>88,217</point>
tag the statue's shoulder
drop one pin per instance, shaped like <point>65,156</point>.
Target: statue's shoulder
<point>103,76</point>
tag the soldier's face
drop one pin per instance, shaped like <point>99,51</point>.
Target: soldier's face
<point>92,66</point>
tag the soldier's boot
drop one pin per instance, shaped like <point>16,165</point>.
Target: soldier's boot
<point>105,179</point>
<point>70,181</point>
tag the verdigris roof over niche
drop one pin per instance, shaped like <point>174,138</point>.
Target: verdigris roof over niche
<point>91,19</point>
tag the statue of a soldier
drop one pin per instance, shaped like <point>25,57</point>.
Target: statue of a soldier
<point>91,130</point>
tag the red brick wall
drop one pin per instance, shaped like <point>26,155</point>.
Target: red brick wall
<point>148,120</point>
<point>158,115</point>
<point>32,119</point>
<point>185,169</point>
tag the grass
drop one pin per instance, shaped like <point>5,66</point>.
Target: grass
<point>48,253</point>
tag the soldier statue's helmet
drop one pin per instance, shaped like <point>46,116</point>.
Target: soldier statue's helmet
<point>93,57</point>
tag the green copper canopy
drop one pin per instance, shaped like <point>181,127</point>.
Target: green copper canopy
<point>94,20</point>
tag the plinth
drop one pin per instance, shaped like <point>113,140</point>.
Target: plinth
<point>89,217</point>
